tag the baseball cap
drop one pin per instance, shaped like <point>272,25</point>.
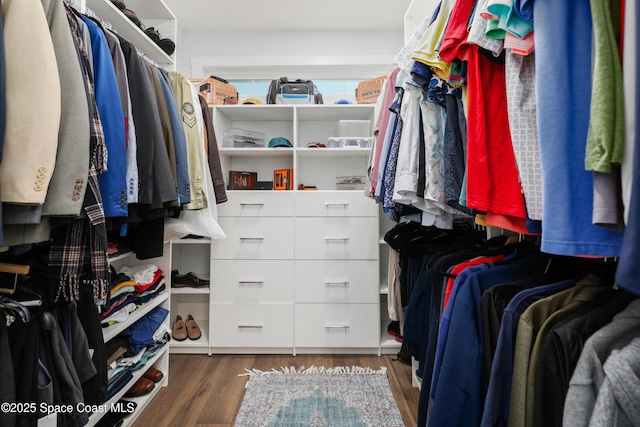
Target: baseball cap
<point>280,142</point>
<point>255,101</point>
<point>316,145</point>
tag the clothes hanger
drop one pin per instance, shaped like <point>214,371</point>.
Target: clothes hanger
<point>15,308</point>
<point>15,269</point>
<point>28,297</point>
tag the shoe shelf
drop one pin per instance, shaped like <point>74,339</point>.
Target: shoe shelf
<point>188,346</point>
<point>152,13</point>
<point>141,401</point>
<point>191,256</point>
<point>113,330</point>
<point>388,343</point>
<point>191,291</point>
<point>384,287</point>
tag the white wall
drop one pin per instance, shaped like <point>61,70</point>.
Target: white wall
<point>266,55</point>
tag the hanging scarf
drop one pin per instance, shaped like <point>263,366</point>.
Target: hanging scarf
<point>78,255</point>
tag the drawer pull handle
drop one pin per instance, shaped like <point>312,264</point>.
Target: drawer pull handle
<point>249,282</point>
<point>256,239</point>
<point>345,283</point>
<point>336,326</point>
<point>336,239</point>
<point>250,326</point>
<point>344,205</point>
<point>251,204</point>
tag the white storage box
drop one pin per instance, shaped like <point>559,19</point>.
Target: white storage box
<point>351,142</point>
<point>243,138</point>
<point>353,128</point>
<point>350,182</point>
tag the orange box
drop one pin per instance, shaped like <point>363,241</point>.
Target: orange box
<point>283,179</point>
<point>216,92</point>
<point>367,91</point>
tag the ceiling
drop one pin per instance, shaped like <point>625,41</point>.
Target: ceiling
<point>289,15</point>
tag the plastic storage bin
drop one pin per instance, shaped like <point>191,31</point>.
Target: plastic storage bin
<point>353,128</point>
<point>350,182</point>
<point>243,138</point>
<point>344,142</point>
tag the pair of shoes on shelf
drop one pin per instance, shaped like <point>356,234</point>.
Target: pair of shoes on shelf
<point>153,34</point>
<point>394,328</point>
<point>182,330</point>
<point>153,374</point>
<point>190,280</point>
<point>166,44</point>
<point>142,387</point>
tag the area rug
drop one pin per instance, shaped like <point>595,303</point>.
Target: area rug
<point>318,397</point>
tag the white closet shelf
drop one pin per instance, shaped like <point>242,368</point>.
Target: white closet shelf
<point>257,112</point>
<point>106,11</point>
<point>387,342</point>
<point>121,256</point>
<point>191,291</point>
<point>141,401</point>
<point>150,9</point>
<point>384,287</point>
<point>203,241</point>
<point>334,152</point>
<point>113,330</point>
<point>331,112</point>
<point>253,152</point>
<point>199,346</point>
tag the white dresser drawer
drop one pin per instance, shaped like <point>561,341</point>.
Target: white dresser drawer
<point>252,325</point>
<point>336,238</point>
<point>236,281</point>
<point>333,281</point>
<point>257,203</point>
<point>337,325</point>
<point>334,203</point>
<point>254,238</point>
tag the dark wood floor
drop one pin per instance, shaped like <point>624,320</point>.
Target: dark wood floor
<point>206,391</point>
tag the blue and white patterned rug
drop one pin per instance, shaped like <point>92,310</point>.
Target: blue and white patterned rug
<point>319,397</point>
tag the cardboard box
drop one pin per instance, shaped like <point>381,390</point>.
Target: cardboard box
<point>240,180</point>
<point>283,179</point>
<point>367,91</point>
<point>216,92</point>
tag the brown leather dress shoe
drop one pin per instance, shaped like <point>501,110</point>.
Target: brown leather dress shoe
<point>193,330</point>
<point>142,387</point>
<point>153,374</point>
<point>179,330</point>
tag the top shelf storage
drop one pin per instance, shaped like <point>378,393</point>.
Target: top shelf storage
<point>152,13</point>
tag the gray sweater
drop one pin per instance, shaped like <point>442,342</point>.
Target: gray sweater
<point>591,372</point>
<point>619,397</point>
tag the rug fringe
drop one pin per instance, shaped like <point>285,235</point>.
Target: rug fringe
<point>292,370</point>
